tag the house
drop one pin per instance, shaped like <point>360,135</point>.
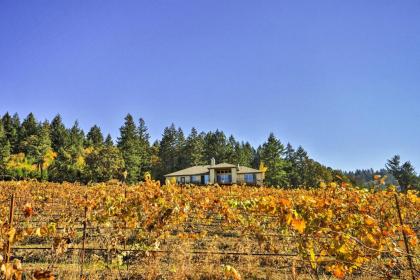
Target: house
<point>222,173</point>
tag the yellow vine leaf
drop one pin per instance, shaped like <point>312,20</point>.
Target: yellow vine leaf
<point>299,225</point>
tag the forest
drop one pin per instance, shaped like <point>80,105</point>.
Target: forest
<point>50,151</point>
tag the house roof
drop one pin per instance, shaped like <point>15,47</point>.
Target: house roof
<point>245,169</point>
<point>204,169</point>
<point>222,165</point>
<point>195,170</point>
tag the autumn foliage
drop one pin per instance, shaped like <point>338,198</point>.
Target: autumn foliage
<point>335,230</point>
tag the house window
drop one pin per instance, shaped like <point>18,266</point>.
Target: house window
<point>182,180</point>
<point>195,179</point>
<point>224,178</point>
<point>249,178</point>
<point>205,179</point>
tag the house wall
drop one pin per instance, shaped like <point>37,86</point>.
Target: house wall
<point>187,179</point>
<point>212,177</point>
<point>260,179</point>
<point>236,178</point>
<point>234,175</point>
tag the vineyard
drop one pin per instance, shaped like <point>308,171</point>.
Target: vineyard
<point>149,231</point>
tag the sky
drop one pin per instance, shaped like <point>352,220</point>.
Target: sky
<point>340,78</point>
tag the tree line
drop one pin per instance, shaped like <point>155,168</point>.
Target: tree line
<point>30,149</point>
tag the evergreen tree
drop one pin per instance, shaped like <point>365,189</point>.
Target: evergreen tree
<point>11,127</point>
<point>231,155</point>
<point>291,167</point>
<point>245,154</point>
<point>108,140</point>
<point>215,146</point>
<point>128,143</point>
<point>58,134</point>
<point>39,149</point>
<point>155,160</point>
<point>144,148</point>
<point>405,174</point>
<point>180,148</point>
<point>301,166</point>
<point>29,129</point>
<point>194,149</point>
<point>169,151</point>
<point>70,161</point>
<point>271,154</point>
<point>4,151</point>
<point>76,139</point>
<point>94,137</point>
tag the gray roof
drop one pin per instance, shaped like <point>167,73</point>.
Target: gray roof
<point>204,169</point>
<point>244,169</point>
<point>222,165</point>
<point>195,170</point>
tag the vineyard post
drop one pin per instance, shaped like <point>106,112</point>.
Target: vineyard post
<point>82,261</point>
<point>407,248</point>
<point>11,213</point>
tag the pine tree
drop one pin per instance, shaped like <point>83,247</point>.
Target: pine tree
<point>180,144</point>
<point>231,153</point>
<point>155,162</point>
<point>39,148</point>
<point>4,151</point>
<point>29,129</point>
<point>301,161</point>
<point>144,148</point>
<point>128,143</point>
<point>11,127</point>
<point>405,174</point>
<point>271,154</point>
<point>108,141</point>
<point>194,148</point>
<point>291,167</point>
<point>70,161</point>
<point>94,137</point>
<point>244,154</point>
<point>58,134</point>
<point>215,146</point>
<point>168,151</point>
<point>76,138</point>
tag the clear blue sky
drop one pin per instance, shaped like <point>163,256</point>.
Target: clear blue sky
<point>340,78</point>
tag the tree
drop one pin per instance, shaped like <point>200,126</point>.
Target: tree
<point>4,150</point>
<point>108,140</point>
<point>11,127</point>
<point>29,129</point>
<point>271,154</point>
<point>103,164</point>
<point>128,143</point>
<point>144,148</point>
<point>301,166</point>
<point>169,151</point>
<point>180,143</point>
<point>291,167</point>
<point>18,166</point>
<point>58,134</point>
<point>242,153</point>
<point>38,148</point>
<point>246,154</point>
<point>405,174</point>
<point>155,162</point>
<point>215,146</point>
<point>194,149</point>
<point>70,161</point>
<point>94,137</point>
